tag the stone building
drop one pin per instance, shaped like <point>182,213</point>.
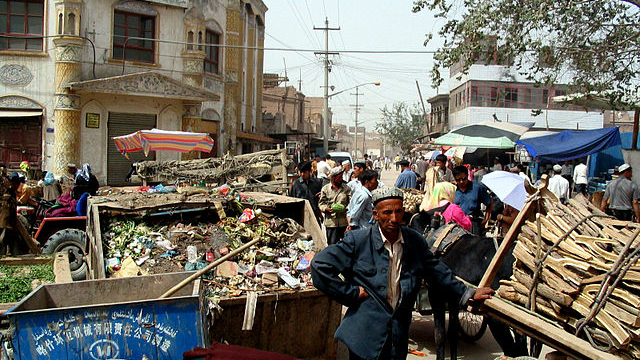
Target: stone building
<point>75,73</point>
<point>493,89</point>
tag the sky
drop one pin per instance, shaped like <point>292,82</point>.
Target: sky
<point>364,25</point>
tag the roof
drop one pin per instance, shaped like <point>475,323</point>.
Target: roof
<point>147,83</point>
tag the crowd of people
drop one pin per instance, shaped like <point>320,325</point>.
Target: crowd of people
<point>339,194</point>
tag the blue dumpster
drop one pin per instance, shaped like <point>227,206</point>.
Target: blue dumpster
<point>117,318</point>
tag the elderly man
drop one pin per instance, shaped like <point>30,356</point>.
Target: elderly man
<point>306,187</point>
<point>335,218</point>
<point>382,270</point>
<point>407,178</point>
<point>360,209</point>
<point>621,195</point>
<point>558,184</point>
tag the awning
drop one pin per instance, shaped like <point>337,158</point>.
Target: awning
<point>452,139</point>
<point>255,137</point>
<point>568,145</point>
<point>156,139</point>
<point>20,113</point>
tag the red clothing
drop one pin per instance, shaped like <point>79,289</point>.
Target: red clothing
<point>453,212</point>
<point>219,351</point>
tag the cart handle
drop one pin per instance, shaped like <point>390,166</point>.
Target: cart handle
<point>207,268</point>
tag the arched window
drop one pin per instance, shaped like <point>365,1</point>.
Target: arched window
<point>200,40</point>
<point>60,22</point>
<point>190,40</point>
<point>70,27</point>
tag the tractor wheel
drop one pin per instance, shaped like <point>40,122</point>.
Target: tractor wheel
<point>73,242</point>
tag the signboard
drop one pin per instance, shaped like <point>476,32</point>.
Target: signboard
<point>129,331</point>
<point>92,121</point>
<point>178,3</point>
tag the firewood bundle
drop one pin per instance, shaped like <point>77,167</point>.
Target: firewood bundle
<point>570,277</point>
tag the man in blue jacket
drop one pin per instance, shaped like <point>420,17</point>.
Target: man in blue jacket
<point>383,267</point>
<point>407,178</point>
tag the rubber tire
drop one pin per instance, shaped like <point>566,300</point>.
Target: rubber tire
<point>73,241</point>
<point>463,317</point>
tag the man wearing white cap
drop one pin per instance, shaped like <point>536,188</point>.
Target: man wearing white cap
<point>347,171</point>
<point>376,272</point>
<point>621,195</point>
<point>334,199</point>
<point>559,185</point>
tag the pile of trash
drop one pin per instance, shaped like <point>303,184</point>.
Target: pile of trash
<point>280,261</point>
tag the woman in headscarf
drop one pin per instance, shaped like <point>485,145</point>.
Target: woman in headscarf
<point>51,188</point>
<point>441,201</point>
<point>85,182</point>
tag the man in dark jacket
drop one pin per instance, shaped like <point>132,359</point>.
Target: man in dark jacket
<point>306,187</point>
<point>383,267</point>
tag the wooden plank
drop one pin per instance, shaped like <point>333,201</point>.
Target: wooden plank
<point>507,242</point>
<point>544,331</point>
<point>61,270</point>
<point>26,260</point>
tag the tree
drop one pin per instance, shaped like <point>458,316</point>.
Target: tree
<point>402,124</point>
<point>594,42</point>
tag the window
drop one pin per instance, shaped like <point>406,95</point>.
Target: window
<point>212,59</point>
<point>127,25</point>
<point>511,97</point>
<point>21,18</point>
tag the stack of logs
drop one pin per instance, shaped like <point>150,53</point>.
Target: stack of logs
<point>573,273</point>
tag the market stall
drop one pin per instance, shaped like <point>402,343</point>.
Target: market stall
<point>602,144</point>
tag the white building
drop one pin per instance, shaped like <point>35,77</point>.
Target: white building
<point>493,91</point>
<point>63,97</point>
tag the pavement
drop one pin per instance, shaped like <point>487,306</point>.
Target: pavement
<point>421,336</point>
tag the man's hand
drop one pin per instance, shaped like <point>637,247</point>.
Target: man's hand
<point>328,209</point>
<point>363,294</point>
<point>482,294</point>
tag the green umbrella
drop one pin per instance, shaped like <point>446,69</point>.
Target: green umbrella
<point>452,139</point>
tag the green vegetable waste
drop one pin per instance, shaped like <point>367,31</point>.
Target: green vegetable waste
<point>16,282</point>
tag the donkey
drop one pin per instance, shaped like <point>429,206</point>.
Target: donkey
<point>468,258</point>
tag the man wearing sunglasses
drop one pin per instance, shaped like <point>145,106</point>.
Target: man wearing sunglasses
<point>470,196</point>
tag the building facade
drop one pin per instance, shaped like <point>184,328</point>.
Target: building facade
<point>497,92</point>
<point>75,73</point>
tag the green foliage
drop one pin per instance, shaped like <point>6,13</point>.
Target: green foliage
<point>402,124</point>
<point>595,42</point>
<point>15,281</point>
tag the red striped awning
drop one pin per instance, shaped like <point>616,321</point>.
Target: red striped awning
<point>155,139</point>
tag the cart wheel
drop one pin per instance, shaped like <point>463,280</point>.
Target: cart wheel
<point>72,242</point>
<point>472,326</point>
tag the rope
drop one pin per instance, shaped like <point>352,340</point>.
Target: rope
<point>618,270</point>
<point>540,264</point>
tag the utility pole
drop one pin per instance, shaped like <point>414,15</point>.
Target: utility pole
<point>325,110</point>
<point>355,139</point>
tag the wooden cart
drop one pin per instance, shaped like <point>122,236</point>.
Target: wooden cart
<point>286,314</point>
<point>520,318</point>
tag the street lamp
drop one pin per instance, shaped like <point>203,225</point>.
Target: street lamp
<point>325,113</point>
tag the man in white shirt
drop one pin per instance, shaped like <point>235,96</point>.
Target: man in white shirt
<point>323,170</point>
<point>496,164</point>
<point>580,178</point>
<point>559,185</point>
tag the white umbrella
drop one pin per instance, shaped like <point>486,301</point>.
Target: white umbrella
<point>509,187</point>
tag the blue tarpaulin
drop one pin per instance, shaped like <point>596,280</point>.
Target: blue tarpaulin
<point>569,145</point>
<point>627,140</point>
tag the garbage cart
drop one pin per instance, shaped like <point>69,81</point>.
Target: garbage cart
<point>120,318</point>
